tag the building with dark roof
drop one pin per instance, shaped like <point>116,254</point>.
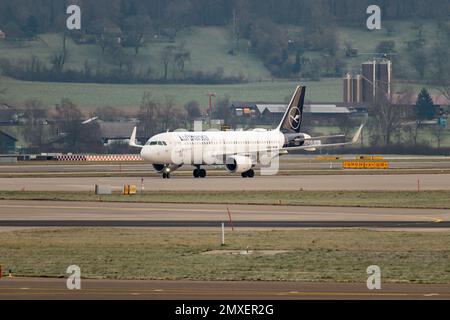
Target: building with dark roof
<point>270,113</point>
<point>7,143</point>
<point>118,131</point>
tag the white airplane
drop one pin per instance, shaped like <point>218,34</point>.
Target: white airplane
<point>238,151</point>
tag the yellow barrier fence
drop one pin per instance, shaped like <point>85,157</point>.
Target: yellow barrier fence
<point>365,165</point>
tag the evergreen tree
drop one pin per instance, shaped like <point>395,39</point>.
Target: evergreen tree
<point>425,108</point>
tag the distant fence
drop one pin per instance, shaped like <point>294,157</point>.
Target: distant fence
<point>100,157</point>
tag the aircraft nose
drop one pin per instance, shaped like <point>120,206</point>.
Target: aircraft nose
<point>146,153</point>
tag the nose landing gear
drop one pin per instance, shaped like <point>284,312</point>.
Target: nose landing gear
<point>166,175</point>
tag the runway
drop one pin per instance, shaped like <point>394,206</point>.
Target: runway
<point>15,213</point>
<point>45,288</point>
<point>213,224</point>
<point>230,183</point>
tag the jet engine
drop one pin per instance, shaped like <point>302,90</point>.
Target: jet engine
<point>238,164</point>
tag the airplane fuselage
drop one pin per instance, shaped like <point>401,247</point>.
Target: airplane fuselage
<point>208,147</point>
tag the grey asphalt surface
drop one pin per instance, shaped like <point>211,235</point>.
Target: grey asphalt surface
<point>61,213</point>
<point>212,224</point>
<point>298,162</point>
<point>292,182</point>
<point>45,288</point>
<point>146,167</point>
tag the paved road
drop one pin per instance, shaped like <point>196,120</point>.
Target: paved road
<point>44,288</point>
<point>59,213</point>
<point>305,182</point>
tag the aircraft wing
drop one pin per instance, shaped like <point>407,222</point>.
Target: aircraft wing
<point>355,139</point>
<point>321,137</point>
<point>285,150</point>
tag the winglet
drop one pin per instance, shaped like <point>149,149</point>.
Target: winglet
<point>357,135</point>
<point>132,142</point>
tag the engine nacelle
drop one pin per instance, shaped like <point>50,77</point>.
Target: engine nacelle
<point>160,168</point>
<point>238,164</point>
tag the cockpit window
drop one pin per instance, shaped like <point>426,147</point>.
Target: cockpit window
<point>159,143</point>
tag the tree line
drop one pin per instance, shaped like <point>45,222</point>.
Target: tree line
<point>33,16</point>
<point>61,128</point>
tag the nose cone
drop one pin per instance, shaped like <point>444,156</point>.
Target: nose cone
<point>146,153</point>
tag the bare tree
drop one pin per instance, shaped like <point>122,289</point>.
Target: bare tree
<point>192,109</point>
<point>438,131</point>
<point>135,28</point>
<point>148,115</point>
<point>441,65</point>
<point>346,124</point>
<point>69,118</point>
<point>181,55</point>
<point>59,58</point>
<point>35,121</point>
<point>2,91</point>
<point>412,131</point>
<point>170,117</point>
<point>167,56</point>
<point>387,116</point>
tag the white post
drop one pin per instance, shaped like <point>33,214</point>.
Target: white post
<point>223,234</point>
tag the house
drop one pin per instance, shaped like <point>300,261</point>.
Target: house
<point>10,115</point>
<point>7,143</point>
<point>116,131</point>
<point>405,99</point>
<point>270,113</point>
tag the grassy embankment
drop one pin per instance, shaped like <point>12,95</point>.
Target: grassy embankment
<point>382,199</point>
<point>311,255</point>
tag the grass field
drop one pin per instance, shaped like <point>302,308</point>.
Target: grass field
<point>129,97</point>
<point>311,255</point>
<point>384,199</point>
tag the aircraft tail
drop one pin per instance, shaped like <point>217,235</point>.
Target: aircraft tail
<point>292,119</point>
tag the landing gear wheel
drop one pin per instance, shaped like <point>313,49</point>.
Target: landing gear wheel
<point>248,174</point>
<point>196,173</point>
<point>202,173</point>
<point>164,175</point>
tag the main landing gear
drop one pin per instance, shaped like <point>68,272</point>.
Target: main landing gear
<point>199,173</point>
<point>248,174</point>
